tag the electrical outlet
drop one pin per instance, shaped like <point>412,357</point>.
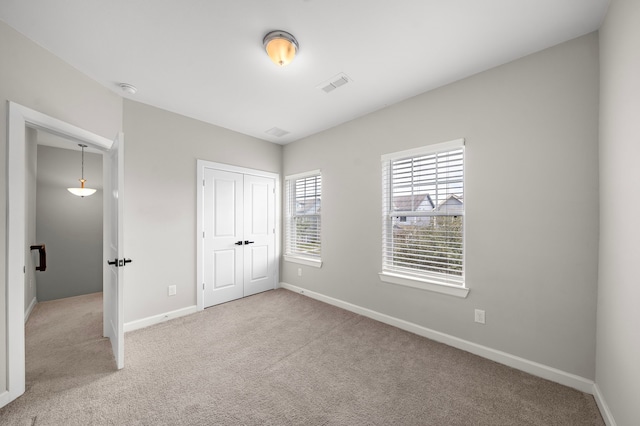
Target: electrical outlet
<point>172,290</point>
<point>299,272</point>
<point>479,316</point>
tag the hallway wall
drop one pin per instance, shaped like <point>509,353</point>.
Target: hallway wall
<point>69,226</point>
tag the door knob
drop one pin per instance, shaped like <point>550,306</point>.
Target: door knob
<point>119,262</point>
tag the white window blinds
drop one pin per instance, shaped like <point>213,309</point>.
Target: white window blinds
<point>303,223</point>
<point>423,213</point>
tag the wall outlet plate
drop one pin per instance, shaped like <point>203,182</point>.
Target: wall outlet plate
<point>479,316</point>
<point>172,290</point>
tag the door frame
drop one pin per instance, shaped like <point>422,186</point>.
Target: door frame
<point>201,166</point>
<point>19,118</point>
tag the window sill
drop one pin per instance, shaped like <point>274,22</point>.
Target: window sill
<point>451,290</point>
<point>308,261</point>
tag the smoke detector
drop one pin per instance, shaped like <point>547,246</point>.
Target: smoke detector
<point>277,132</point>
<point>128,88</point>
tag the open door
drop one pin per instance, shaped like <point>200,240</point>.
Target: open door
<point>113,282</point>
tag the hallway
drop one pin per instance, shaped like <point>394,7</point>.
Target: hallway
<point>65,349</point>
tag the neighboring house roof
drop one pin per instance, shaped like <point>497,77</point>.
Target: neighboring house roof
<point>403,203</point>
<point>308,206</point>
<point>451,204</point>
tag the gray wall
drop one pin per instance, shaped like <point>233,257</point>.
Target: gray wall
<point>69,226</point>
<point>531,130</point>
<point>161,149</point>
<point>35,78</point>
<point>618,370</point>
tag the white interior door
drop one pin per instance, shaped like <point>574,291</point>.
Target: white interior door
<point>113,320</point>
<point>238,235</point>
<point>259,234</point>
<point>223,243</point>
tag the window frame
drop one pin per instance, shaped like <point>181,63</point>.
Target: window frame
<point>290,201</point>
<point>412,277</point>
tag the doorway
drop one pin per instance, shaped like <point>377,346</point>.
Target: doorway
<point>237,229</point>
<point>20,119</point>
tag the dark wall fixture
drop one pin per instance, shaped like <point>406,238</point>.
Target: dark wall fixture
<point>43,256</point>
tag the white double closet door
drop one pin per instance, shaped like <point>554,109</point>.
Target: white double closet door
<point>239,239</point>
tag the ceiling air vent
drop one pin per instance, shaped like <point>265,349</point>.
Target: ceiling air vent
<point>334,82</point>
<point>277,132</point>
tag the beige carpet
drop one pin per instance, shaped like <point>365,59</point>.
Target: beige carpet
<point>276,358</point>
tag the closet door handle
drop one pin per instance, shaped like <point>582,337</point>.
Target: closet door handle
<point>239,243</point>
<point>248,242</point>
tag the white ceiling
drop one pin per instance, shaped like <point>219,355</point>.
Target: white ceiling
<point>204,58</point>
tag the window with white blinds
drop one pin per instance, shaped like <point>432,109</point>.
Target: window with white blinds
<point>303,193</point>
<point>423,214</point>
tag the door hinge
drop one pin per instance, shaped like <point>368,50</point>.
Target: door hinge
<point>203,182</point>
<point>203,286</point>
<point>202,234</point>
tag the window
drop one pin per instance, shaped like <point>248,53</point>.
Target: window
<point>423,218</point>
<point>303,193</point>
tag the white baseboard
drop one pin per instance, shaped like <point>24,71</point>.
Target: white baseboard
<point>32,305</point>
<point>602,405</point>
<point>531,367</point>
<point>157,319</point>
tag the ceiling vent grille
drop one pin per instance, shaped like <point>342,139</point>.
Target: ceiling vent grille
<point>277,132</point>
<point>334,82</point>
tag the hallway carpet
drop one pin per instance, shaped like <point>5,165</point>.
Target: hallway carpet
<point>276,358</point>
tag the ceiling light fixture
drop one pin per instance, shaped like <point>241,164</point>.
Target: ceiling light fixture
<point>281,47</point>
<point>82,191</point>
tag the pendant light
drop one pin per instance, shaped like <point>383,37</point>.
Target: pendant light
<point>82,191</point>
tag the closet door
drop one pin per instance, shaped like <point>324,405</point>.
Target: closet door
<point>223,236</point>
<point>259,233</point>
<point>238,235</point>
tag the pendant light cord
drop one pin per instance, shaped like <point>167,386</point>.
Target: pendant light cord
<point>82,161</point>
<point>82,146</point>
